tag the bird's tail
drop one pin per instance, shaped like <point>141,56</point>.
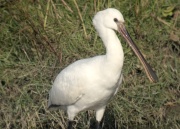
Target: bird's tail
<point>52,106</point>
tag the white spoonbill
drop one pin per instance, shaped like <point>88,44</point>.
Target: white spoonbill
<point>89,84</point>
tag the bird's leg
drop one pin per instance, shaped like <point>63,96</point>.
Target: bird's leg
<point>99,116</point>
<point>98,125</point>
<point>88,118</point>
<point>70,124</point>
<point>71,111</point>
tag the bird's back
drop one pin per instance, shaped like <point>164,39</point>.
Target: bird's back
<point>71,82</point>
<point>83,80</point>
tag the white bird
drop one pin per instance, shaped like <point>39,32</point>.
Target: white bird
<point>89,84</point>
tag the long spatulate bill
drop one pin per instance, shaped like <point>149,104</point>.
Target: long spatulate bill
<point>149,72</point>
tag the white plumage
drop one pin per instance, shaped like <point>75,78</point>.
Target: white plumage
<point>91,83</point>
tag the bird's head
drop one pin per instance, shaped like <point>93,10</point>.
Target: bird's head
<point>113,19</point>
<point>110,18</point>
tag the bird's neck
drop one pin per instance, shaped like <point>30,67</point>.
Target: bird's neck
<point>114,51</point>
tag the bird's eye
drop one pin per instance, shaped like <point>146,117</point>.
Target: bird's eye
<point>115,20</point>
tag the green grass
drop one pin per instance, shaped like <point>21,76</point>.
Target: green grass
<point>39,38</point>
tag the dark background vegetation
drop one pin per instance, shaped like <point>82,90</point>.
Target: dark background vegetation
<point>38,38</point>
